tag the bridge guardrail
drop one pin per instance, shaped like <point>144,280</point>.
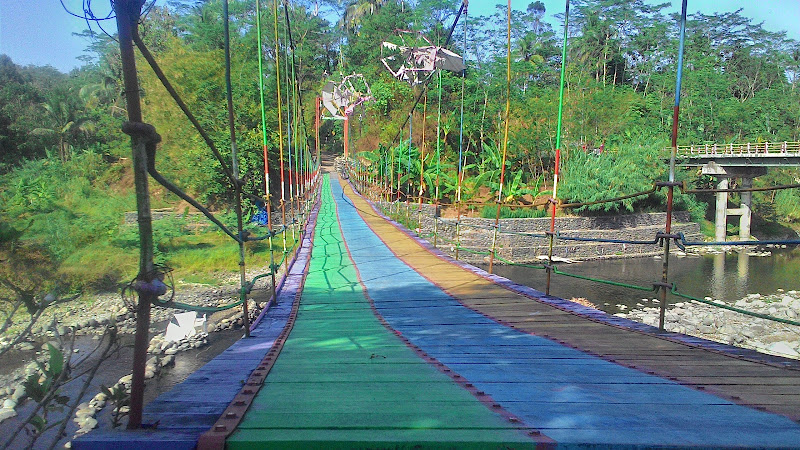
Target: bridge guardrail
<point>749,149</point>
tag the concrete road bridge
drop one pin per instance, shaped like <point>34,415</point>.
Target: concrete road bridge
<point>743,161</point>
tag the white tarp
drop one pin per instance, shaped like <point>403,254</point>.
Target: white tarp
<point>183,325</point>
<point>413,63</point>
<point>341,100</point>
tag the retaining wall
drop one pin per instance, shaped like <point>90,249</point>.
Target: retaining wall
<point>514,243</point>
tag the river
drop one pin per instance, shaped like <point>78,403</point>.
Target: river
<point>729,277</point>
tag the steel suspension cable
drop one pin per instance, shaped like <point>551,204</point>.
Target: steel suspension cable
<point>399,163</point>
<point>280,118</point>
<point>391,172</point>
<point>438,160</point>
<point>505,140</point>
<point>267,196</point>
<point>299,112</point>
<point>422,157</point>
<point>290,133</point>
<point>554,200</point>
<point>235,168</point>
<point>427,80</point>
<point>460,174</point>
<point>671,184</point>
<point>408,167</point>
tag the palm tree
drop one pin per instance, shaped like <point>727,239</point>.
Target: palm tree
<point>64,119</point>
<point>357,10</point>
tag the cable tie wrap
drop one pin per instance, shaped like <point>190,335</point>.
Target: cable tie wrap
<point>153,288</point>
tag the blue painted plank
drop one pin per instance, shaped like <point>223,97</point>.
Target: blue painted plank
<point>628,411</point>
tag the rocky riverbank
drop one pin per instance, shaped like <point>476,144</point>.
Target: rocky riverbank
<point>731,327</point>
<point>84,322</point>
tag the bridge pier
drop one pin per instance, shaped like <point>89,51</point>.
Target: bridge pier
<point>724,175</point>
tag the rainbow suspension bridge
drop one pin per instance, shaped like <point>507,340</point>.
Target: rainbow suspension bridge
<point>371,337</point>
<point>379,340</point>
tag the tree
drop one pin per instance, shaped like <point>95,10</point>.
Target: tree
<point>19,112</point>
<point>65,119</point>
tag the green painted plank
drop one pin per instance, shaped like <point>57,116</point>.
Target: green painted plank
<point>394,439</point>
<point>387,418</point>
<point>342,379</point>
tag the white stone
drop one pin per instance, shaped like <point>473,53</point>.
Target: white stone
<point>19,392</point>
<point>7,413</point>
<point>167,360</point>
<point>171,351</point>
<point>85,412</point>
<point>126,379</point>
<point>9,404</point>
<point>88,423</point>
<point>671,317</point>
<point>782,348</point>
<point>689,321</point>
<point>706,329</point>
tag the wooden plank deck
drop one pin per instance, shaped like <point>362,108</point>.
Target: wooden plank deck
<point>398,346</point>
<point>344,380</point>
<point>667,361</point>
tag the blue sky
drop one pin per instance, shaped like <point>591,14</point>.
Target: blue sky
<point>40,31</point>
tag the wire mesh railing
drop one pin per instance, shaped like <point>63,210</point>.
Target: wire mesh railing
<point>435,228</point>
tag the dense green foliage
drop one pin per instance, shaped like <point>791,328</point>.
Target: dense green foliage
<point>66,178</point>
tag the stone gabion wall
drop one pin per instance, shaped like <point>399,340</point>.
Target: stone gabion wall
<point>515,243</point>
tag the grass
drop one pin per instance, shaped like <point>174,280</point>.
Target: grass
<point>707,228</point>
<point>490,212</point>
<point>73,214</point>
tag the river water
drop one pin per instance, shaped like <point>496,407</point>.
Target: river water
<point>729,277</point>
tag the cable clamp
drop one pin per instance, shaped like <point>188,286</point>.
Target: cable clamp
<point>142,130</point>
<point>154,288</point>
<point>661,284</point>
<point>659,184</point>
<point>661,237</point>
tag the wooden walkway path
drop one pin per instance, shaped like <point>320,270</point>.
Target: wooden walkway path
<point>392,345</point>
